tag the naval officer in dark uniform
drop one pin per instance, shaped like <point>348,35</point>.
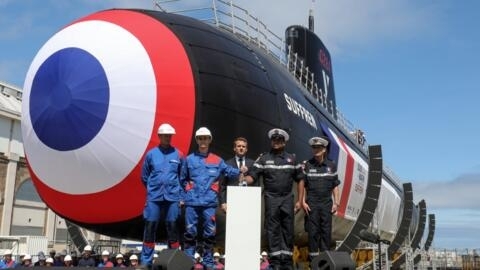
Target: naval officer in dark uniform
<point>279,170</point>
<point>321,184</point>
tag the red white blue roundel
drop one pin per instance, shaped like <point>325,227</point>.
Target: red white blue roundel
<point>94,97</point>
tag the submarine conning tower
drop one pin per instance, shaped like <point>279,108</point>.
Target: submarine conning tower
<point>308,54</point>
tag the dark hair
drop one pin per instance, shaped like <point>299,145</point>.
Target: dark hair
<point>239,139</point>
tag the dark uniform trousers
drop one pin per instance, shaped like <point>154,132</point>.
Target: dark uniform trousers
<point>319,226</point>
<point>279,171</point>
<point>320,180</point>
<point>279,221</point>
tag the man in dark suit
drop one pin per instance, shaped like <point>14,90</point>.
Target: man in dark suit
<point>240,148</point>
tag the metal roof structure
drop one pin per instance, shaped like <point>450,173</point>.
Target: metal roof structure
<point>10,101</point>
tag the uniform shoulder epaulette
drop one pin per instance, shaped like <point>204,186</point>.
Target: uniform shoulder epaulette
<point>303,164</point>
<point>259,156</point>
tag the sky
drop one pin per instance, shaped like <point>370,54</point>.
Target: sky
<point>405,72</point>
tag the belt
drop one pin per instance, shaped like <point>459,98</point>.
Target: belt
<point>278,194</point>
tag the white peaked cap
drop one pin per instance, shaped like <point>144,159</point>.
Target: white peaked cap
<point>323,141</point>
<point>278,132</point>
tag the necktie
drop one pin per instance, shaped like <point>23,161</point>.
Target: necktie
<point>240,162</point>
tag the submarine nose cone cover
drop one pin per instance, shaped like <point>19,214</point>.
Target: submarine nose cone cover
<point>93,99</point>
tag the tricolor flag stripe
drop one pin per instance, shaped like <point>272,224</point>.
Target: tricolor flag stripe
<point>347,181</point>
<point>351,169</point>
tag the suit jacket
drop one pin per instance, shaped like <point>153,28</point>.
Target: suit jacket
<point>226,181</point>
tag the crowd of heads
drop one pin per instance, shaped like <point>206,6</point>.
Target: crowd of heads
<point>65,259</point>
<point>220,258</point>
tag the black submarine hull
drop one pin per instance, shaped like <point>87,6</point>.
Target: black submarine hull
<point>239,90</point>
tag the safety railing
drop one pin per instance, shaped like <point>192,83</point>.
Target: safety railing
<point>239,21</point>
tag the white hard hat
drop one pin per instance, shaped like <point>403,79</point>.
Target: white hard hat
<point>216,254</point>
<point>50,260</point>
<point>68,258</point>
<point>8,252</point>
<point>166,129</point>
<point>203,131</point>
<point>264,253</point>
<point>196,256</point>
<point>105,253</point>
<point>87,248</point>
<point>133,257</point>
<point>119,256</point>
<point>27,257</point>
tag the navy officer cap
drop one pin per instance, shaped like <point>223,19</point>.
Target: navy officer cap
<point>322,141</point>
<point>278,133</point>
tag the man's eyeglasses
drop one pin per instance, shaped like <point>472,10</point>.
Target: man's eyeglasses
<point>202,138</point>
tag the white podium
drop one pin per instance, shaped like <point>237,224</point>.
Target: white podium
<point>242,236</point>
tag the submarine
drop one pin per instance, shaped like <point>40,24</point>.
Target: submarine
<point>98,89</point>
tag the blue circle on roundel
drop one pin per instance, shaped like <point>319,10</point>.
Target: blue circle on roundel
<point>69,99</point>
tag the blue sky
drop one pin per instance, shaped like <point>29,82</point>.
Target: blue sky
<point>405,72</point>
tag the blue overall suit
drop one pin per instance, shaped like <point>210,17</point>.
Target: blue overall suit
<point>200,180</point>
<point>161,176</point>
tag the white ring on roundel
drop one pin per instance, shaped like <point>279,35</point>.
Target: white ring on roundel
<point>120,144</point>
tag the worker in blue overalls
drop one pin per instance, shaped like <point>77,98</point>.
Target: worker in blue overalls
<point>161,176</point>
<point>200,179</point>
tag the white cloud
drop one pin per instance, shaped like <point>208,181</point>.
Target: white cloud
<point>105,4</point>
<point>456,207</point>
<point>456,228</point>
<point>459,193</point>
<point>346,24</point>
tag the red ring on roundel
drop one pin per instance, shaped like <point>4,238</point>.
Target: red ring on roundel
<point>175,105</point>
